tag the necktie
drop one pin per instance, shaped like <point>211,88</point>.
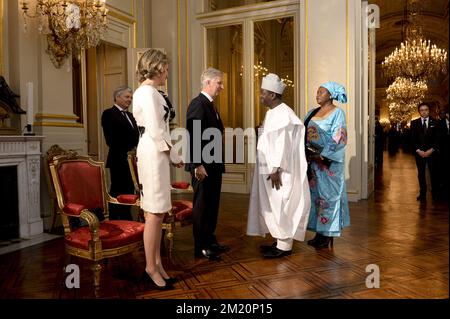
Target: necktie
<point>128,119</point>
<point>424,125</point>
<point>215,110</point>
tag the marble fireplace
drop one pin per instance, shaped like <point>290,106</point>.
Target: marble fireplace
<point>23,153</point>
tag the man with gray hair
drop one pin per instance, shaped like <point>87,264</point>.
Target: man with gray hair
<point>121,135</point>
<point>207,167</point>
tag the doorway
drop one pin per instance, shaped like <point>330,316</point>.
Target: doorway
<point>106,69</point>
<point>246,47</point>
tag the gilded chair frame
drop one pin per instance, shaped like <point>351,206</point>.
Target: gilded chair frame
<point>95,252</point>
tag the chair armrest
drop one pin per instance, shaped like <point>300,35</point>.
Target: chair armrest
<point>125,199</point>
<point>80,211</point>
<point>73,210</point>
<point>128,199</point>
<point>94,226</point>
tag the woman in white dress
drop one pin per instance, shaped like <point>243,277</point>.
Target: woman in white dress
<point>153,159</point>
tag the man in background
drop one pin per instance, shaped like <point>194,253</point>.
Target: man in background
<point>121,135</point>
<point>425,145</point>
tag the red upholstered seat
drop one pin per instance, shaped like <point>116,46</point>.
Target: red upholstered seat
<point>113,234</point>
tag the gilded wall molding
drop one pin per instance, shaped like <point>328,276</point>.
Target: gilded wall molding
<point>122,12</point>
<point>247,8</point>
<point>56,116</point>
<point>122,17</point>
<point>59,124</point>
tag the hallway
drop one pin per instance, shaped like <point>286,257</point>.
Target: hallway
<point>406,239</point>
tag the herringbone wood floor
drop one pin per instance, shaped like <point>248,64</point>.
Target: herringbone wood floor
<point>406,239</point>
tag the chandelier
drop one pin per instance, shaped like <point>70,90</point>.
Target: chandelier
<point>404,95</point>
<point>70,26</point>
<point>417,58</point>
<point>261,70</point>
<point>400,113</point>
<point>406,91</point>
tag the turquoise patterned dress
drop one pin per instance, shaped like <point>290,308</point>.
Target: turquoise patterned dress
<point>329,204</point>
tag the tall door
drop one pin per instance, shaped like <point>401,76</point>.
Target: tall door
<point>106,70</point>
<point>368,56</point>
<point>246,49</point>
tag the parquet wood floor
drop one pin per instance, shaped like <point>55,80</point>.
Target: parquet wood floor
<point>408,240</point>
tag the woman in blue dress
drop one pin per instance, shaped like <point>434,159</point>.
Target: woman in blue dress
<point>326,139</point>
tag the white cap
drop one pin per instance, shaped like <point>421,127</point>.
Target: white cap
<point>271,82</point>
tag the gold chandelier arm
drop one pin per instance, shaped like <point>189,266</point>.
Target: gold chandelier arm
<point>69,25</point>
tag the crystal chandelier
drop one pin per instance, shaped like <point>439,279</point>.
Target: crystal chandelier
<point>400,113</point>
<point>404,95</point>
<point>417,58</point>
<point>70,26</point>
<point>261,70</point>
<point>406,91</point>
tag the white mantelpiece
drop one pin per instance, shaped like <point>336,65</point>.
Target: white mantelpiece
<point>24,152</point>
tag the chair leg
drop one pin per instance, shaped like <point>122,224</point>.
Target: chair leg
<point>96,268</point>
<point>170,239</point>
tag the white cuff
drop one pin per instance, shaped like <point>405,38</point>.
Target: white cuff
<point>285,244</point>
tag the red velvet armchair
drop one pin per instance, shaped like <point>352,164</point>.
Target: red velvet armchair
<point>81,193</point>
<point>181,213</point>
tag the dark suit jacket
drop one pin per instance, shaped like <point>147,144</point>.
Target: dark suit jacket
<point>119,135</point>
<point>423,141</point>
<point>202,109</point>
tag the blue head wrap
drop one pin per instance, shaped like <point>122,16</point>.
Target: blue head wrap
<point>337,91</point>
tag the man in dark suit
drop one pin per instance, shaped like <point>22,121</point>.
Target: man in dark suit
<point>206,165</point>
<point>425,144</point>
<point>121,135</point>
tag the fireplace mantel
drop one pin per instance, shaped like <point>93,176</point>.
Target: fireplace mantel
<point>24,152</point>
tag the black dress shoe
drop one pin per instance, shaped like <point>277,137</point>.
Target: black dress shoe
<point>266,248</point>
<point>208,253</point>
<point>147,279</point>
<point>277,253</point>
<point>219,248</point>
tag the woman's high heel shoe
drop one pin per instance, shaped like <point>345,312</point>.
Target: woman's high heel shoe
<point>324,242</point>
<point>315,240</point>
<point>146,278</point>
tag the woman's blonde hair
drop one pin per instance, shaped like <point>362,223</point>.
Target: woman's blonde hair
<point>151,64</point>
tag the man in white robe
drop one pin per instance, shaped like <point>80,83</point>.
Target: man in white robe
<point>280,197</point>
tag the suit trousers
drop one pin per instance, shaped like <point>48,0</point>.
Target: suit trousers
<point>206,209</point>
<point>121,183</point>
<point>421,164</point>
